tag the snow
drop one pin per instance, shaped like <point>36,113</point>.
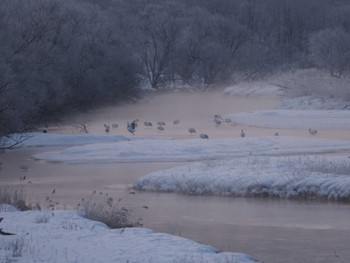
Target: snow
<point>281,177</point>
<point>294,119</point>
<point>257,88</point>
<point>69,237</point>
<point>51,139</point>
<point>313,103</point>
<point>176,150</point>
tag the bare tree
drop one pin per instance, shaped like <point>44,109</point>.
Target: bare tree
<point>160,29</point>
<point>226,39</point>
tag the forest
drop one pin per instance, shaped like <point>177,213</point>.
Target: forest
<point>59,56</point>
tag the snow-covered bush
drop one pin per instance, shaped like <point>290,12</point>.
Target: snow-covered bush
<point>314,83</point>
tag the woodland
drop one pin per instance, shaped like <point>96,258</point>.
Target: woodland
<point>60,56</point>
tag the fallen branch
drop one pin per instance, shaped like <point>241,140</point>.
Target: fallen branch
<point>3,232</point>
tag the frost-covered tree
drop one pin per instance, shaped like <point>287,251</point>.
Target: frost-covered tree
<point>330,49</point>
<point>59,55</point>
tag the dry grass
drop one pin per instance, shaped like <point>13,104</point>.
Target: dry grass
<point>103,208</point>
<point>14,196</point>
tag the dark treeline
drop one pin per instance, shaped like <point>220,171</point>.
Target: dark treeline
<point>59,55</point>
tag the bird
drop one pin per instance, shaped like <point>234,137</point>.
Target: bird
<point>192,130</point>
<point>177,121</point>
<point>46,129</point>
<point>228,120</point>
<point>242,134</point>
<point>24,167</point>
<point>132,126</point>
<point>161,123</point>
<point>218,120</point>
<point>312,132</point>
<point>115,125</point>
<point>107,128</point>
<point>148,124</point>
<point>203,136</point>
<point>160,127</point>
<point>276,134</point>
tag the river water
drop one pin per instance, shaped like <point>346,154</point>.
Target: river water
<point>270,230</point>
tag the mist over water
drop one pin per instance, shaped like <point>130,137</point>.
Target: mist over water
<point>270,230</point>
<point>195,110</point>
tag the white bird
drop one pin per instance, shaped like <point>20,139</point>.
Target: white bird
<point>203,136</point>
<point>242,134</point>
<point>161,123</point>
<point>312,132</point>
<point>192,130</point>
<point>228,120</point>
<point>132,126</point>
<point>177,121</point>
<point>107,128</point>
<point>160,127</point>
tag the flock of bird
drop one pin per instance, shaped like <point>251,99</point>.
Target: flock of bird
<point>217,120</point>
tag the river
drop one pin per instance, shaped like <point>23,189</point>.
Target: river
<point>270,230</point>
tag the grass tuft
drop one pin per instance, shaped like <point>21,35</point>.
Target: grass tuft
<point>101,207</point>
<point>15,197</point>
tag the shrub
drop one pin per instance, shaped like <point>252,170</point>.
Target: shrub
<point>15,197</point>
<point>101,207</point>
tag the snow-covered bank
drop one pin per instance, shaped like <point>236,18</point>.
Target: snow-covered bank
<point>314,103</point>
<point>294,119</point>
<point>51,139</point>
<point>281,177</point>
<point>68,237</point>
<point>257,88</point>
<point>192,149</point>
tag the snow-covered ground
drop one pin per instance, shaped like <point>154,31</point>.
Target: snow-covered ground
<point>279,177</point>
<point>176,150</point>
<point>294,119</point>
<point>313,103</point>
<point>257,88</point>
<point>51,139</point>
<point>68,237</point>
